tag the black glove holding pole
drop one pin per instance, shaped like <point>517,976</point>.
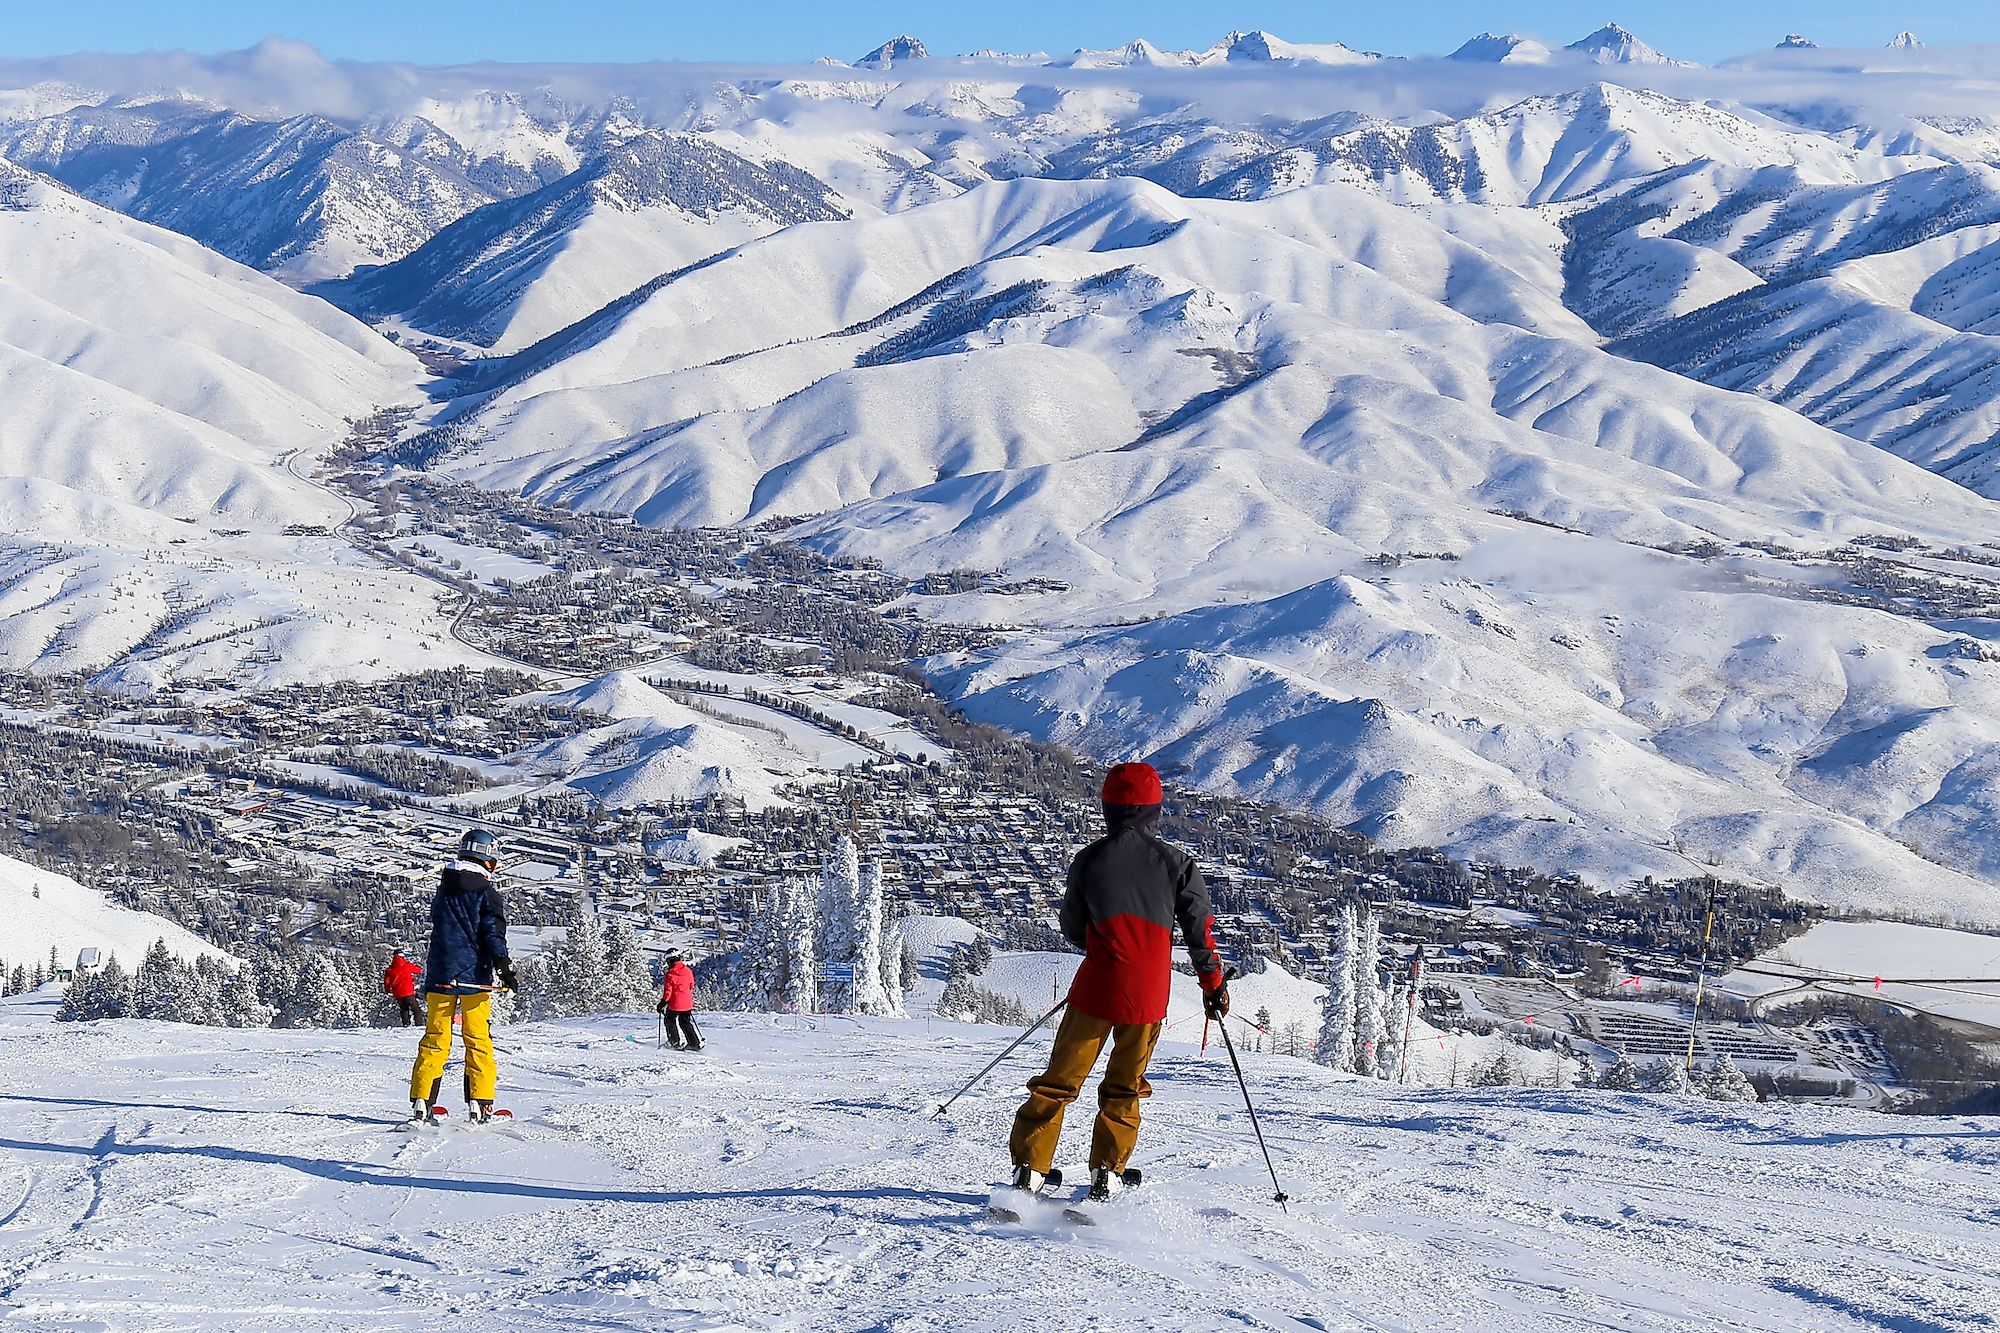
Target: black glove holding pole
<point>509,979</point>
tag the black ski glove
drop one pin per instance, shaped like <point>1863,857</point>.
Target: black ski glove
<point>509,979</point>
<point>1215,1003</point>
<point>661,1008</point>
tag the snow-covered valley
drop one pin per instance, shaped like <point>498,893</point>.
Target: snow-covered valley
<point>789,1176</point>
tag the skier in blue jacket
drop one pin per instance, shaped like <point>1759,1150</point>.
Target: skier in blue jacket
<point>468,953</point>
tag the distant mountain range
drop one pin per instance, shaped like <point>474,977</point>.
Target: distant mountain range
<point>1595,467</point>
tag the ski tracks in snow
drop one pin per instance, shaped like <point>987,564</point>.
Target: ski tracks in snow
<point>790,1177</point>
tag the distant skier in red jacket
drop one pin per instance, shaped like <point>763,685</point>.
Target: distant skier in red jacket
<point>1127,892</point>
<point>401,982</point>
<point>676,1004</point>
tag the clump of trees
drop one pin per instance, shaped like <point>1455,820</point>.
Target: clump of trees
<point>820,946</point>
<point>598,968</point>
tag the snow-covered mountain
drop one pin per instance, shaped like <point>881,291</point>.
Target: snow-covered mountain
<point>1502,49</point>
<point>155,391</point>
<point>518,270</point>
<point>301,196</point>
<point>1613,45</point>
<point>893,50</point>
<point>1386,424</point>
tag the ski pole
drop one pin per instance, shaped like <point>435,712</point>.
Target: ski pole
<point>1230,1046</point>
<point>1280,1197</point>
<point>1033,1028</point>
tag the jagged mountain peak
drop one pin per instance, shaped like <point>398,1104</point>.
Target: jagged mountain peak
<point>1906,41</point>
<point>903,47</point>
<point>1797,42</point>
<point>1616,45</point>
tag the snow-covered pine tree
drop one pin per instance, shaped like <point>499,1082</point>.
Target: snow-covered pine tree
<point>1669,1077</point>
<point>321,998</point>
<point>570,976</point>
<point>871,996</point>
<point>163,988</point>
<point>628,979</point>
<point>1389,1059</point>
<point>1622,1076</point>
<point>1725,1082</point>
<point>240,1007</point>
<point>17,980</point>
<point>211,980</point>
<point>839,915</point>
<point>799,921</point>
<point>907,971</point>
<point>1370,1004</point>
<point>756,978</point>
<point>91,995</point>
<point>1335,1048</point>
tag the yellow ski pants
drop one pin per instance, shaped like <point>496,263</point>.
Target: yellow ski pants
<point>1079,1041</point>
<point>434,1051</point>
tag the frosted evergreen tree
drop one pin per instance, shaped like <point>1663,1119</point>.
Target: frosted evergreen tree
<point>1669,1077</point>
<point>799,923</point>
<point>240,1007</point>
<point>210,980</point>
<point>1389,1058</point>
<point>1499,1072</point>
<point>1725,1082</point>
<point>93,995</point>
<point>909,973</point>
<point>871,991</point>
<point>321,998</point>
<point>628,980</point>
<point>1335,1048</point>
<point>17,980</point>
<point>839,915</point>
<point>164,989</point>
<point>570,978</point>
<point>756,981</point>
<point>1622,1076</point>
<point>1370,1008</point>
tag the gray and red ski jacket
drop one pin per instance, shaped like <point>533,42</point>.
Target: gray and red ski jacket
<point>1126,893</point>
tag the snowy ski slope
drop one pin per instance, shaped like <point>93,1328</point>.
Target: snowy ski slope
<point>789,1178</point>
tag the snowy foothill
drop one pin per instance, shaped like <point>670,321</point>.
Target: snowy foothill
<point>790,1176</point>
<point>45,911</point>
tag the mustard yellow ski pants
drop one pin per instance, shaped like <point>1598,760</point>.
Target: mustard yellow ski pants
<point>434,1051</point>
<point>1038,1124</point>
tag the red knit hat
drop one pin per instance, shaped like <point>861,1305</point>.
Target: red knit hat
<point>1132,784</point>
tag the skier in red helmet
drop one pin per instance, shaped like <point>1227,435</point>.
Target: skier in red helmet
<point>1127,891</point>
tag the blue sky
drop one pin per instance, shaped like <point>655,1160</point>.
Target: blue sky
<point>449,31</point>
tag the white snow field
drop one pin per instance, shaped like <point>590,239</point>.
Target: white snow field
<point>161,1177</point>
<point>44,911</point>
<point>1942,972</point>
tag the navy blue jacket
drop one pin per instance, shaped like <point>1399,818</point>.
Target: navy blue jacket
<point>468,932</point>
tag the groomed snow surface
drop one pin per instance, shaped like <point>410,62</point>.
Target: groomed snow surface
<point>788,1177</point>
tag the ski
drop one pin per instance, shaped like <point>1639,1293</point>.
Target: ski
<point>415,1122</point>
<point>1007,1202</point>
<point>1083,1211</point>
